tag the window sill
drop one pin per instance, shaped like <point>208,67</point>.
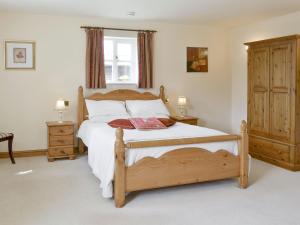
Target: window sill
<point>121,83</point>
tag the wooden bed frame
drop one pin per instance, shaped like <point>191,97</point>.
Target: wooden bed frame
<point>177,167</point>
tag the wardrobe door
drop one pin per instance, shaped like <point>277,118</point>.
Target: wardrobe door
<point>259,90</point>
<point>280,104</point>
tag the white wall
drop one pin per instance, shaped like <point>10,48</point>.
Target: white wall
<point>28,97</point>
<point>275,27</point>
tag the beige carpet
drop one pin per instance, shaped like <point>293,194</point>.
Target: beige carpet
<point>66,193</point>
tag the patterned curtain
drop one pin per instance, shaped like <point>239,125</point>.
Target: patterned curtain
<point>145,59</point>
<point>95,71</point>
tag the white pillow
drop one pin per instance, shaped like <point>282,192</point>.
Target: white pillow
<point>147,108</point>
<point>105,108</point>
<point>106,119</point>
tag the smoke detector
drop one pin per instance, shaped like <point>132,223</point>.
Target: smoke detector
<point>131,13</point>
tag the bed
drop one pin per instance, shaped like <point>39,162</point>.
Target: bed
<point>133,160</point>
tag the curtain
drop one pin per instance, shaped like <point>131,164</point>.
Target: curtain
<point>145,59</point>
<point>95,70</point>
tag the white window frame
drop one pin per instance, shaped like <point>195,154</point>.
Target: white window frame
<point>134,65</point>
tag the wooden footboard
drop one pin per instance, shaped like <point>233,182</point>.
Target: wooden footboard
<point>180,166</point>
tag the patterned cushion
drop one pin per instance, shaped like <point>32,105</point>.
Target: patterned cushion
<point>5,135</point>
<point>147,123</point>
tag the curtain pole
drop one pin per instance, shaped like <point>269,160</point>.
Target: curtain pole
<point>122,29</point>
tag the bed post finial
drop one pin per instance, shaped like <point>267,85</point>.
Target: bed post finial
<point>244,158</point>
<point>119,185</point>
<point>243,126</point>
<point>162,93</point>
<point>80,89</point>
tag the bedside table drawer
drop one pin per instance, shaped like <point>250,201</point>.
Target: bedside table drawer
<point>61,140</point>
<point>60,151</point>
<point>61,130</point>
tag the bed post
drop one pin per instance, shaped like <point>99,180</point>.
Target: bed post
<point>244,158</point>
<point>80,116</point>
<point>162,93</point>
<point>119,185</point>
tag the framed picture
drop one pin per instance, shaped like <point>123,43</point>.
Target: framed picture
<point>197,59</point>
<point>19,55</point>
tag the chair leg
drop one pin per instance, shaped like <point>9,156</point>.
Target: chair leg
<point>10,141</point>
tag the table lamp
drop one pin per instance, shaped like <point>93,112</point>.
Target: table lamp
<point>61,106</point>
<point>182,105</point>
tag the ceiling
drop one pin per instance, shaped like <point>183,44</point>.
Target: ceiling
<point>227,13</point>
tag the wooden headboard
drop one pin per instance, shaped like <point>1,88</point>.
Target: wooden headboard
<point>120,95</point>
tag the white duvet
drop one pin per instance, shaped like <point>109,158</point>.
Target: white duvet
<point>100,139</point>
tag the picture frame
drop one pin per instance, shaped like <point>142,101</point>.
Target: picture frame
<point>19,55</point>
<point>197,59</point>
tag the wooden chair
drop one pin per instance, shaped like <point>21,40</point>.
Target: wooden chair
<point>8,137</point>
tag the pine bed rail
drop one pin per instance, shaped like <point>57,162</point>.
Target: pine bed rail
<point>182,141</point>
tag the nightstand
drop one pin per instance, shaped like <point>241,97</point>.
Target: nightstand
<point>60,140</point>
<point>186,119</point>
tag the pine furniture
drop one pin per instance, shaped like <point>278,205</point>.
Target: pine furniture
<point>274,101</point>
<point>183,165</point>
<point>60,140</point>
<point>8,137</point>
<point>186,119</point>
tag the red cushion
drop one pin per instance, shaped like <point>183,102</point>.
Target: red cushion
<point>122,123</point>
<point>167,122</point>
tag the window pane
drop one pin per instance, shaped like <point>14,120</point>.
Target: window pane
<point>124,51</point>
<point>108,71</point>
<point>124,71</point>
<point>108,50</point>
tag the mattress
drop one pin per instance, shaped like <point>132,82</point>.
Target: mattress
<point>100,139</point>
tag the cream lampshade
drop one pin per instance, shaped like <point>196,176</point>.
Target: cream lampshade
<point>61,105</point>
<point>182,105</point>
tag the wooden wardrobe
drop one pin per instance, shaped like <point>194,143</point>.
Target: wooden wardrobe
<point>274,101</point>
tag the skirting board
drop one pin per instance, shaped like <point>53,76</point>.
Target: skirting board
<point>25,153</point>
<point>29,153</point>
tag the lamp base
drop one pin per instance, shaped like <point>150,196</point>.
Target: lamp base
<point>60,116</point>
<point>182,112</point>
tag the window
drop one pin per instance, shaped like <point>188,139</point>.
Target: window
<point>120,59</point>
